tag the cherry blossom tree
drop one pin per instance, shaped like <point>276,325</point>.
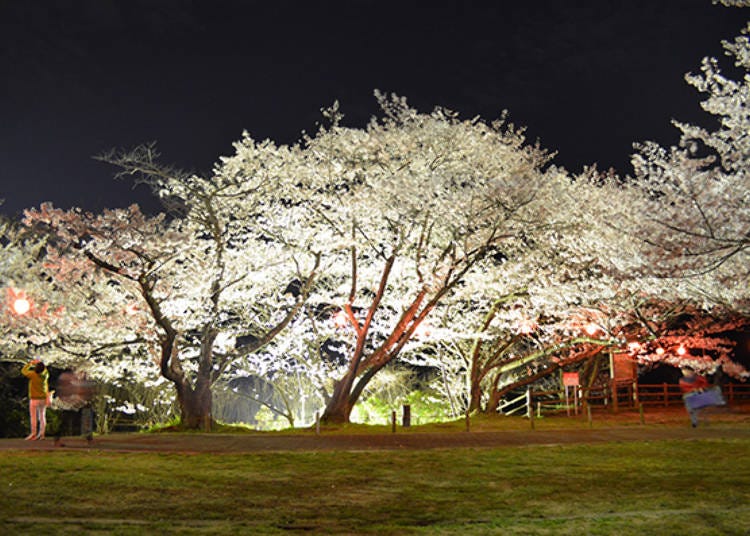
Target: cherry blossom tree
<point>733,3</point>
<point>597,264</point>
<point>22,284</point>
<point>509,351</point>
<point>695,217</point>
<point>518,338</point>
<point>416,216</point>
<point>48,317</point>
<point>413,206</point>
<point>194,283</point>
<point>679,333</point>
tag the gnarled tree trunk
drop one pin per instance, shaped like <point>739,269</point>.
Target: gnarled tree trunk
<point>195,400</point>
<point>195,405</point>
<point>339,407</point>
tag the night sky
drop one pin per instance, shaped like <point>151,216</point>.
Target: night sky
<point>78,77</point>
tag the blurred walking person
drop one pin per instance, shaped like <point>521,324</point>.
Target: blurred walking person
<point>698,393</point>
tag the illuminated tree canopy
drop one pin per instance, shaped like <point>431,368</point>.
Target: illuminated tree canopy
<point>696,211</point>
<point>423,238</point>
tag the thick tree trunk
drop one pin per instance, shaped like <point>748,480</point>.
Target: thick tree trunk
<point>195,401</point>
<point>195,406</point>
<point>338,409</point>
<point>345,396</point>
<point>494,402</point>
<point>475,398</point>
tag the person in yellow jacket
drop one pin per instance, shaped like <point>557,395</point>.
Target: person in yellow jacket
<point>38,376</point>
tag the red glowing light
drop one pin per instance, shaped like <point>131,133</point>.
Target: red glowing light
<point>660,351</point>
<point>591,328</point>
<point>681,350</point>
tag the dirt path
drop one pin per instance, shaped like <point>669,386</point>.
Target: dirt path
<point>239,443</point>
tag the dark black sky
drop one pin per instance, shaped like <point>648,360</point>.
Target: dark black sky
<point>78,77</point>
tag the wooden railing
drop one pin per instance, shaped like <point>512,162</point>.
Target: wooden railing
<point>515,405</point>
<point>666,393</point>
<point>622,395</point>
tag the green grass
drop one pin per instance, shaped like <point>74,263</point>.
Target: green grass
<point>653,415</point>
<point>666,487</point>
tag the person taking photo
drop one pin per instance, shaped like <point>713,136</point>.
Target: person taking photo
<point>38,377</point>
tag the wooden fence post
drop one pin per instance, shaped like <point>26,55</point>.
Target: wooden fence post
<point>406,418</point>
<point>615,396</point>
<point>529,403</point>
<point>666,394</point>
<point>530,407</point>
<point>531,421</point>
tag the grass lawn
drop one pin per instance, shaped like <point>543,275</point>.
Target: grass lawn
<point>660,487</point>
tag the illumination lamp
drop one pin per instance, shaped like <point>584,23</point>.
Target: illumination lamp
<point>634,346</point>
<point>21,306</point>
<point>17,301</point>
<point>591,328</point>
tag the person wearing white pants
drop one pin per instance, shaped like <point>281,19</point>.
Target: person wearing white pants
<point>38,376</point>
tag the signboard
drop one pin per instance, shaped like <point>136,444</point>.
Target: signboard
<point>571,379</point>
<point>623,367</point>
